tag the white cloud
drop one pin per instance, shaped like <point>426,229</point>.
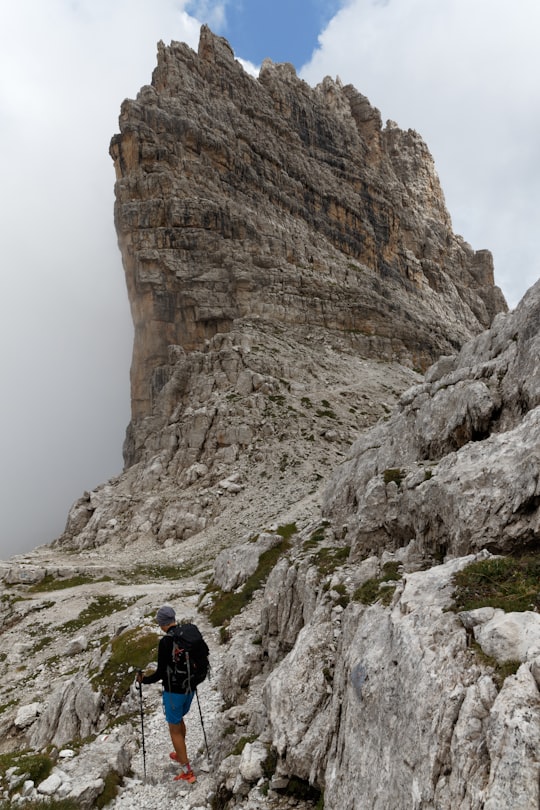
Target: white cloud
<point>463,73</point>
<point>65,328</point>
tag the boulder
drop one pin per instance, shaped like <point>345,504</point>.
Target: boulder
<point>510,636</point>
<point>234,565</point>
<point>71,712</point>
<point>27,714</point>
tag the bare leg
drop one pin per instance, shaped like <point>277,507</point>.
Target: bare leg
<point>178,737</point>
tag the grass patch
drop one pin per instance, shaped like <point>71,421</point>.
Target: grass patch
<point>509,583</point>
<point>330,558</point>
<point>269,764</point>
<point>227,605</point>
<point>371,591</point>
<point>7,705</point>
<point>241,744</point>
<point>287,531</point>
<point>325,412</point>
<point>110,790</point>
<point>52,583</point>
<point>43,804</point>
<point>44,641</point>
<point>36,767</point>
<point>98,608</point>
<point>501,670</point>
<point>130,650</point>
<point>343,596</point>
<point>316,537</point>
<point>394,474</point>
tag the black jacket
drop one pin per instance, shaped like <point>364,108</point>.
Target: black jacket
<point>164,663</point>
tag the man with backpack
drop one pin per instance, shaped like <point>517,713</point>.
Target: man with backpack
<point>182,664</point>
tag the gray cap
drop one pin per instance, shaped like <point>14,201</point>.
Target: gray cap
<point>165,615</point>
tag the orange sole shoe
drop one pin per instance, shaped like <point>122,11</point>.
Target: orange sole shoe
<point>185,777</point>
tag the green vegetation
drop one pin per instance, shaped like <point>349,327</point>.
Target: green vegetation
<point>287,530</point>
<point>52,583</point>
<point>343,598</point>
<point>36,767</point>
<point>269,764</point>
<point>501,670</point>
<point>241,744</point>
<point>44,641</point>
<point>110,790</point>
<point>316,537</point>
<point>224,635</point>
<point>371,590</point>
<point>326,412</point>
<point>98,608</point>
<point>130,650</point>
<point>330,558</point>
<point>394,474</point>
<point>43,804</point>
<point>7,705</point>
<point>509,583</point>
<point>227,605</point>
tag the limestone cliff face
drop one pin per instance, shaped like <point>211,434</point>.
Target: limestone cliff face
<point>455,468</point>
<point>265,199</point>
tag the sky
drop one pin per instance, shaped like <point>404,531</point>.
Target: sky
<point>462,73</point>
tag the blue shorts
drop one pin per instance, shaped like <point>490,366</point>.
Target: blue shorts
<point>176,706</point>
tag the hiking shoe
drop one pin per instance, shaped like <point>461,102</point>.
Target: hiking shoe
<point>189,776</point>
<point>173,755</point>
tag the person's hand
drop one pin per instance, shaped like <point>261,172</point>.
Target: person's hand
<point>139,676</point>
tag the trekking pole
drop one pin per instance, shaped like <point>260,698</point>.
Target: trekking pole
<point>202,724</point>
<point>139,685</point>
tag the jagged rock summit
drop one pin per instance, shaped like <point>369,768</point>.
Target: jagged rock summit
<point>265,200</point>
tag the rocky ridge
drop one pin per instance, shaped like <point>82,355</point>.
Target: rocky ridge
<point>246,438</point>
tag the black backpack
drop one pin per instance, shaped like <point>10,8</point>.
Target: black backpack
<point>189,666</point>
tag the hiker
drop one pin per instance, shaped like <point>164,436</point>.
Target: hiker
<point>176,703</point>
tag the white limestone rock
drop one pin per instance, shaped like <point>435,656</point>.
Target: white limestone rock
<point>77,645</point>
<point>467,447</point>
<point>50,785</point>
<point>27,714</point>
<point>23,575</point>
<point>71,712</point>
<point>234,565</point>
<point>510,636</point>
<point>513,745</point>
<point>241,663</point>
<point>297,702</point>
<point>406,667</point>
<point>252,759</point>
